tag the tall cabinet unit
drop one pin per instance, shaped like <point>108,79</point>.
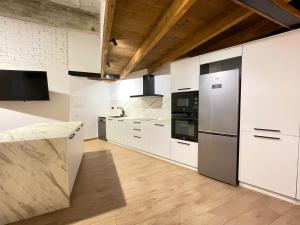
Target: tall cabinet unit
<point>270,114</point>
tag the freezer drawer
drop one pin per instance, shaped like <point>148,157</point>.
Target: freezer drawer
<point>217,157</point>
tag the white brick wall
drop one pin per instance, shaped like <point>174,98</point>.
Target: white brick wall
<point>25,43</point>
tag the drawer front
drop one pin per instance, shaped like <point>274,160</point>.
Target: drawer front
<point>184,152</point>
<point>269,161</point>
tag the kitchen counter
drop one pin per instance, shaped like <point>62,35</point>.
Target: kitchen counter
<point>142,119</point>
<point>38,167</point>
<point>40,131</point>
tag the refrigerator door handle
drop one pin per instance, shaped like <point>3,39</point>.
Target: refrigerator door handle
<point>266,137</point>
<point>216,133</point>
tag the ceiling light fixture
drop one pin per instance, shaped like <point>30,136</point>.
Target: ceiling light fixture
<point>113,42</point>
<point>108,64</point>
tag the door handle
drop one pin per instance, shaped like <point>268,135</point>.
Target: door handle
<point>159,125</point>
<point>266,137</point>
<point>182,143</point>
<point>269,130</point>
<point>182,89</point>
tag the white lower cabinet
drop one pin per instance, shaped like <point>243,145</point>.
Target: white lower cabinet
<point>269,162</point>
<point>160,142</point>
<point>120,131</point>
<point>184,152</point>
<point>75,153</point>
<point>110,129</point>
<point>298,180</point>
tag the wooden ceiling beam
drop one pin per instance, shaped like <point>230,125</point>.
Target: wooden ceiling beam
<point>260,13</point>
<point>108,21</point>
<point>172,15</point>
<point>207,32</point>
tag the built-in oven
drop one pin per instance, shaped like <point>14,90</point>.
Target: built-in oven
<point>185,128</point>
<point>185,116</point>
<point>185,102</point>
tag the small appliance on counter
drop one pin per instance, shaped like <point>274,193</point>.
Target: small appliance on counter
<point>185,116</point>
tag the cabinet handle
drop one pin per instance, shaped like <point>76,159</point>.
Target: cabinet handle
<point>78,129</point>
<point>137,129</point>
<point>182,89</point>
<point>160,125</point>
<point>109,119</point>
<point>137,122</point>
<point>269,130</point>
<point>72,136</point>
<point>182,143</point>
<point>82,125</point>
<point>120,120</point>
<point>136,136</point>
<point>265,137</point>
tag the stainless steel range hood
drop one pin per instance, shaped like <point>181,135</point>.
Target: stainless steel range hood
<point>148,87</point>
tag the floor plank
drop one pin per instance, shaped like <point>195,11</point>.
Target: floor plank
<point>118,186</point>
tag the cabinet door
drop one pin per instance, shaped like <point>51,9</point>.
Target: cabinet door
<point>110,129</point>
<point>270,84</point>
<point>184,152</point>
<point>269,162</point>
<point>121,131</point>
<point>160,139</point>
<point>185,74</point>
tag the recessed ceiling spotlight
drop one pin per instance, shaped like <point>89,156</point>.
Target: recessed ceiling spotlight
<point>113,42</point>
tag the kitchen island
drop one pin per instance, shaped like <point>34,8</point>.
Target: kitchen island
<point>38,167</point>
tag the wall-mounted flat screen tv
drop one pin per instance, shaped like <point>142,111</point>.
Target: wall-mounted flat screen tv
<point>18,85</point>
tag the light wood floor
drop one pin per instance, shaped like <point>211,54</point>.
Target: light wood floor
<point>116,186</point>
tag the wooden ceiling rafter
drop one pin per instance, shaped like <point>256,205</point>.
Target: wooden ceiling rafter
<point>260,13</point>
<point>207,32</point>
<point>107,27</point>
<point>172,15</point>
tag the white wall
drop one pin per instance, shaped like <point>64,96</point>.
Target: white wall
<point>89,100</point>
<point>29,46</point>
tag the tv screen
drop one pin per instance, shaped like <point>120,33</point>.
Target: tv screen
<point>23,85</point>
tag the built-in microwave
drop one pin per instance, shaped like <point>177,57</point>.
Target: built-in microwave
<point>185,102</point>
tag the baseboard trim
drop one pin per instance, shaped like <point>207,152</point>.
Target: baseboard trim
<point>270,193</point>
<point>156,156</point>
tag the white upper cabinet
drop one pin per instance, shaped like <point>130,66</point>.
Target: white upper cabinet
<point>221,54</point>
<point>185,75</point>
<point>269,161</point>
<point>270,93</point>
<point>84,51</point>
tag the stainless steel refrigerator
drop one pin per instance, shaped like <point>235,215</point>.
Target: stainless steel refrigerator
<point>218,125</point>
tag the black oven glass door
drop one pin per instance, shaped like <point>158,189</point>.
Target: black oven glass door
<point>184,101</point>
<point>185,129</point>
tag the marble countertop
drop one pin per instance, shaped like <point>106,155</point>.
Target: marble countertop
<point>142,119</point>
<point>40,131</point>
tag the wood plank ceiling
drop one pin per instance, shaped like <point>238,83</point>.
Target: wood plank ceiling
<point>152,33</point>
